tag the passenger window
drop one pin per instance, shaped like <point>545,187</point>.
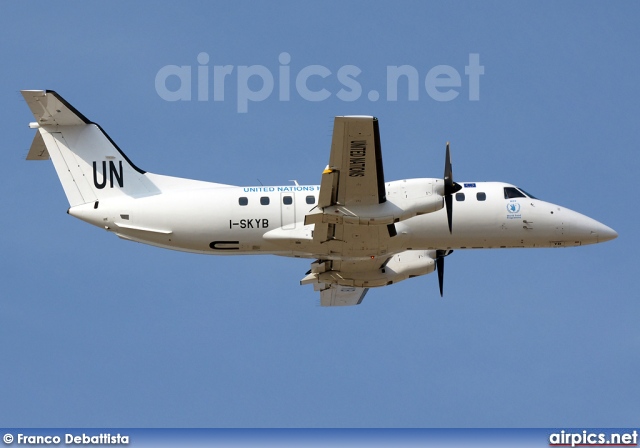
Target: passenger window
<point>511,192</point>
<point>311,199</point>
<point>264,200</point>
<point>287,200</point>
<point>459,196</point>
<point>243,201</point>
<point>481,196</point>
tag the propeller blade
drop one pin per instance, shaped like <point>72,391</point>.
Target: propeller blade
<point>440,254</point>
<point>450,187</point>
<point>448,172</point>
<point>448,201</point>
<point>440,269</point>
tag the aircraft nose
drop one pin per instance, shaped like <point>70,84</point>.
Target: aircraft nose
<point>605,233</point>
<point>592,231</point>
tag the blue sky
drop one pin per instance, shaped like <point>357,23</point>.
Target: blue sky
<point>96,331</point>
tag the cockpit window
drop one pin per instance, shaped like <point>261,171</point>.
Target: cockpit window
<point>530,195</point>
<point>512,192</point>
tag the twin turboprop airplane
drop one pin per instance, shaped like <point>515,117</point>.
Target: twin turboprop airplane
<point>360,230</point>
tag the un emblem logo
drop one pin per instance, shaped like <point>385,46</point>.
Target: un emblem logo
<point>513,207</point>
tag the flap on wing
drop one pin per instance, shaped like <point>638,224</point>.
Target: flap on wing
<point>354,175</point>
<point>336,295</point>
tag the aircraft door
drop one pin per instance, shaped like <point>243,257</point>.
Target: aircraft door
<point>288,210</point>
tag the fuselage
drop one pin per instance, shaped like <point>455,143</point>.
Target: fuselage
<point>361,230</point>
<point>229,220</point>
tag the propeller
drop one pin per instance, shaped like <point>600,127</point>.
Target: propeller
<point>440,254</point>
<point>450,188</point>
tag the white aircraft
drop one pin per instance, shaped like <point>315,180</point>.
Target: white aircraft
<point>360,230</point>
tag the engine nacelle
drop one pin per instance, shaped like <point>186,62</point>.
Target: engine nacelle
<point>405,199</point>
<point>407,264</point>
<point>410,263</point>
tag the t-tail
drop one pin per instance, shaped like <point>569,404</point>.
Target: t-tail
<point>89,164</point>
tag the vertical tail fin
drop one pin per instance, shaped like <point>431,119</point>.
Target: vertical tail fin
<point>89,164</point>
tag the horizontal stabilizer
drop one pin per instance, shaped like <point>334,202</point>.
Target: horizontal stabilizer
<point>38,149</point>
<point>50,109</point>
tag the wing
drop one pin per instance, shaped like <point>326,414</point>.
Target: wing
<point>354,175</point>
<point>336,295</point>
<point>351,235</point>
